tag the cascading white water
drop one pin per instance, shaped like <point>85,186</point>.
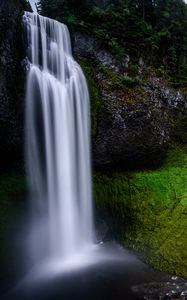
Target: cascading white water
<point>57,142</point>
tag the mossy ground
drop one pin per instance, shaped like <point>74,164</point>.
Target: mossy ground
<point>148,210</point>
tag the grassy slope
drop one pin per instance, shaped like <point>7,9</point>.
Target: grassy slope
<point>149,208</point>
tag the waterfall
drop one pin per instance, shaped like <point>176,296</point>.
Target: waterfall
<point>57,143</point>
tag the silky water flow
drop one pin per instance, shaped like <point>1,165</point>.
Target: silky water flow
<point>57,143</point>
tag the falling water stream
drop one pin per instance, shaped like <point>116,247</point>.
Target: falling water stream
<point>57,142</point>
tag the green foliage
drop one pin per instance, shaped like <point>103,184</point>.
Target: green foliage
<point>160,71</point>
<point>129,81</point>
<point>154,30</point>
<point>149,209</point>
<point>117,81</point>
<point>69,12</point>
<point>96,103</point>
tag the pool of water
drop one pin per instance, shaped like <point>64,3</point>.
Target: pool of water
<point>108,272</point>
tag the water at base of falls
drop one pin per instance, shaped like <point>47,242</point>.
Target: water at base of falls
<point>114,274</point>
<point>57,143</point>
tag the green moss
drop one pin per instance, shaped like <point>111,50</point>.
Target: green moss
<point>128,90</point>
<point>96,103</point>
<point>149,209</point>
<point>118,81</point>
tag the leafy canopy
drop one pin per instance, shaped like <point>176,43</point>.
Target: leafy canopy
<point>155,30</point>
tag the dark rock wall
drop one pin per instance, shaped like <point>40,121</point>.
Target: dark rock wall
<point>137,125</point>
<point>12,83</point>
<point>139,116</point>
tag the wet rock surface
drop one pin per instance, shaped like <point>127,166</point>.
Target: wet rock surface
<point>137,125</point>
<point>85,45</point>
<point>173,288</point>
<point>140,116</point>
<point>11,81</point>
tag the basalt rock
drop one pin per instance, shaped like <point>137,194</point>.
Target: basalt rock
<point>85,45</point>
<point>136,126</point>
<point>140,116</point>
<point>11,81</point>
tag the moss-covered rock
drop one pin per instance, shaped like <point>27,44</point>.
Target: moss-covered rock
<point>148,211</point>
<point>137,123</point>
<point>95,97</point>
<point>135,114</point>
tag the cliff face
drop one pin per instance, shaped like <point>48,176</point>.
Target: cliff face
<point>136,125</point>
<point>11,81</point>
<point>138,116</point>
<point>139,127</point>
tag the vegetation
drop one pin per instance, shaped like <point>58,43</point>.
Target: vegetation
<point>96,103</point>
<point>153,30</point>
<point>147,210</point>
